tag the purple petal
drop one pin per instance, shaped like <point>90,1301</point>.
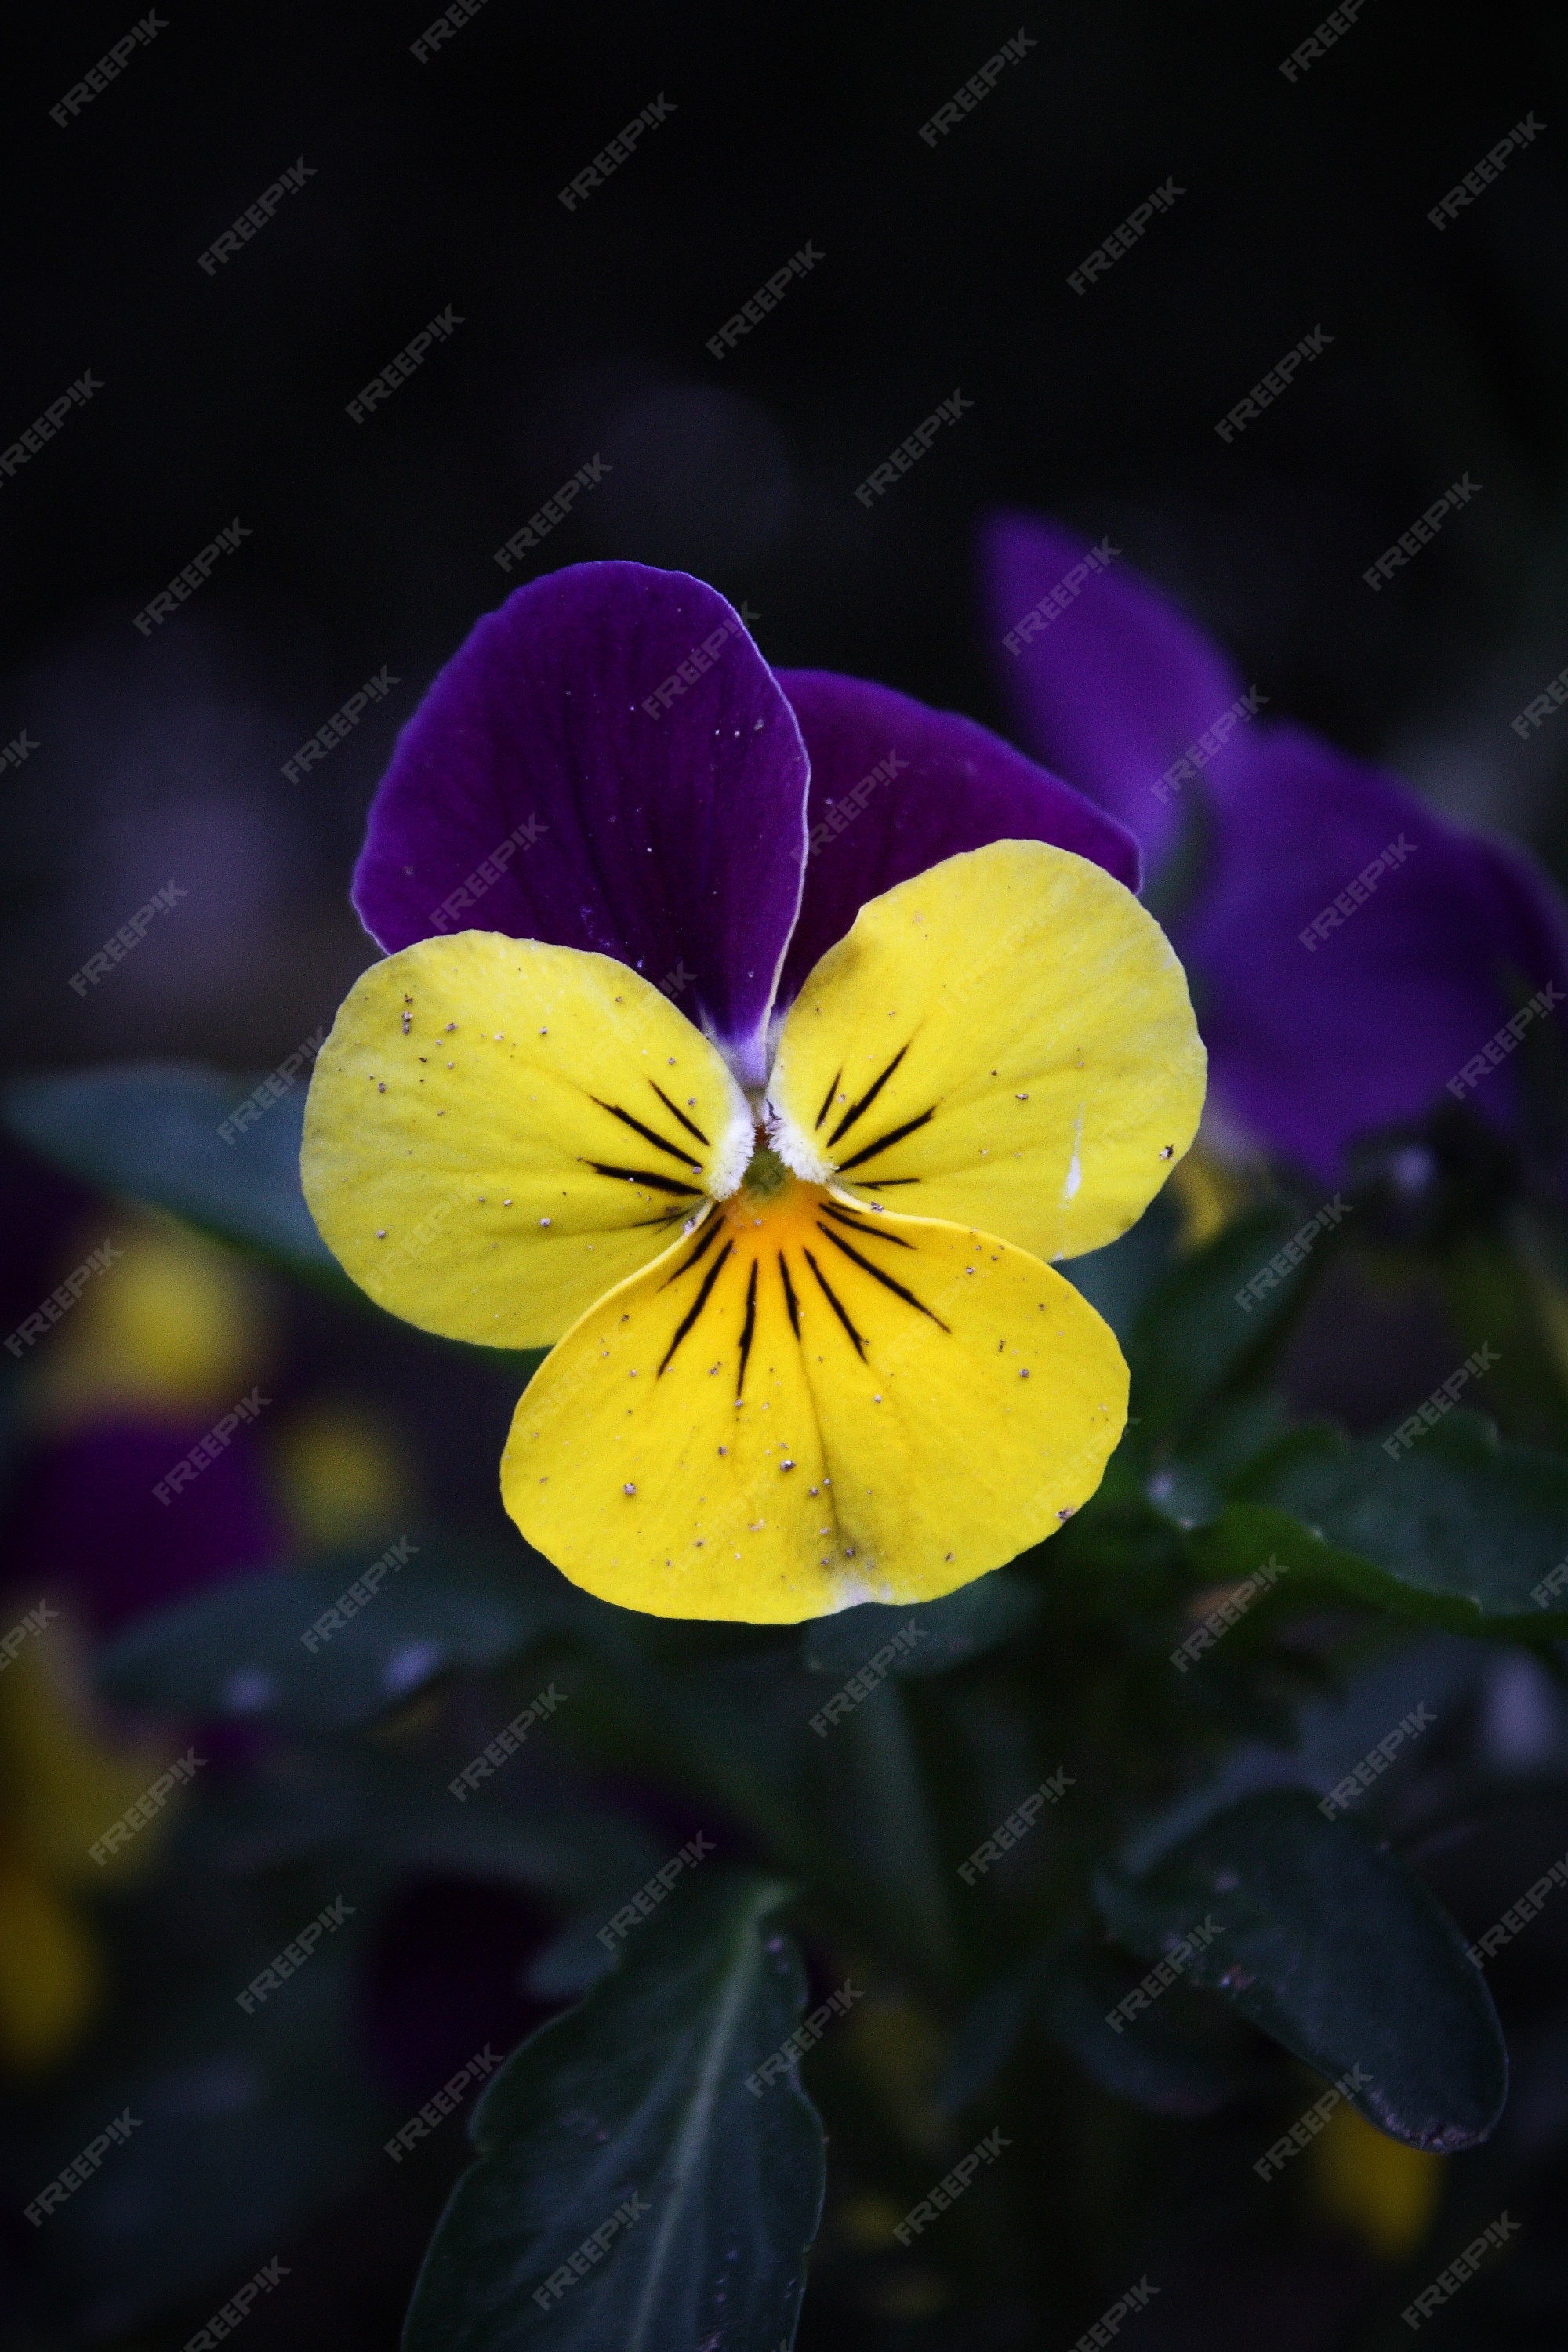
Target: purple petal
<point>606,763</point>
<point>907,787</point>
<point>1111,685</point>
<point>1315,1045</point>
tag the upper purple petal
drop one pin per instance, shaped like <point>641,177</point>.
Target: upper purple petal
<point>1316,1045</point>
<point>1109,684</point>
<point>896,788</point>
<point>605,763</point>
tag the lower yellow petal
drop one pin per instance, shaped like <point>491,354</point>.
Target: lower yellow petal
<point>499,1130</point>
<point>1006,1038</point>
<point>804,1405</point>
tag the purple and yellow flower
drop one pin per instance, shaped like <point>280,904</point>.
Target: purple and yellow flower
<point>1351,953</point>
<point>757,1043</point>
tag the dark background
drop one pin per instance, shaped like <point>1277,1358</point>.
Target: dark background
<point>435,184</point>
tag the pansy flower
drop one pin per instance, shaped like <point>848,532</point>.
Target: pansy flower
<point>1351,952</point>
<point>756,1042</point>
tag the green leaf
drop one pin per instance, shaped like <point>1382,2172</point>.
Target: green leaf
<point>1458,1531</point>
<point>150,1132</point>
<point>960,1626</point>
<point>1193,1337</point>
<point>636,2105</point>
<point>1337,1950</point>
<point>255,1646</point>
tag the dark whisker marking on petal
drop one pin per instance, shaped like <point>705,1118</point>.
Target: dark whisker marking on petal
<point>641,1176</point>
<point>828,1100</point>
<point>689,1124</point>
<point>695,1309</point>
<point>747,1328</point>
<point>883,1142</point>
<point>791,1301</point>
<point>823,1285</point>
<point>866,1099</point>
<point>885,1184</point>
<point>885,1279</point>
<point>859,1226</point>
<point>676,1150</point>
<point>715,1227</point>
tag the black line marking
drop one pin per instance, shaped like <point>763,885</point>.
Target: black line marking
<point>885,1279</point>
<point>747,1328</point>
<point>828,1100</point>
<point>883,1142</point>
<point>715,1227</point>
<point>641,1176</point>
<point>689,1124</point>
<point>866,1099</point>
<point>675,1150</point>
<point>791,1301</point>
<point>859,1344</point>
<point>885,1184</point>
<point>859,1226</point>
<point>695,1309</point>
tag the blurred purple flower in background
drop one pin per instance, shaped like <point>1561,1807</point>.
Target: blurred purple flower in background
<point>1350,951</point>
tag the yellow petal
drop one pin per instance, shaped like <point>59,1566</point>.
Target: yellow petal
<point>499,1130</point>
<point>804,1406</point>
<point>50,1976</point>
<point>1006,1040</point>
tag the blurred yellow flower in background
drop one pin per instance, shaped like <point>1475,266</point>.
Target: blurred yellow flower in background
<point>1382,2192</point>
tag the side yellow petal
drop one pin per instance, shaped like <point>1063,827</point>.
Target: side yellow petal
<point>804,1406</point>
<point>1006,1040</point>
<point>499,1130</point>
